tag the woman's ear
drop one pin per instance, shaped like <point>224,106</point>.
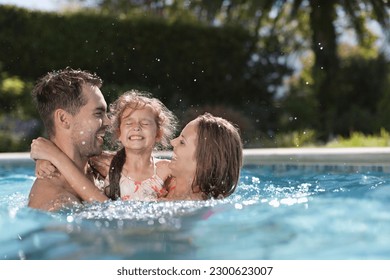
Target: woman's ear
<point>159,135</point>
<point>62,118</point>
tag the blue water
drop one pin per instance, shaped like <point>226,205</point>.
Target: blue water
<point>277,213</point>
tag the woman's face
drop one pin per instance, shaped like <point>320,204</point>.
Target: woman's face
<point>183,161</point>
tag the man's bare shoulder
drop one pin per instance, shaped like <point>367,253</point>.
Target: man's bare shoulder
<point>50,194</point>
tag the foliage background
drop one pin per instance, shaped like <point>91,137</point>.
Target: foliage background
<point>194,66</point>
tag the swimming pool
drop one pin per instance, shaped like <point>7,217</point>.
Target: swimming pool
<point>290,205</point>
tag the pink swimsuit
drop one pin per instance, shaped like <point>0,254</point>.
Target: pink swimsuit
<point>148,189</point>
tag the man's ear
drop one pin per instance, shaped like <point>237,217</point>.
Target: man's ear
<point>62,118</point>
<point>117,133</point>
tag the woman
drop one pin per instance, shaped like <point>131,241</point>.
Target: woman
<point>206,162</point>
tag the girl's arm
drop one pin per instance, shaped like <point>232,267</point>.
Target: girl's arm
<point>44,169</point>
<point>42,148</point>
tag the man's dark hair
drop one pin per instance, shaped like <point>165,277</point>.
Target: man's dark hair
<point>62,89</point>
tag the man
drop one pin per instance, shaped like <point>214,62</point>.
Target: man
<point>73,110</point>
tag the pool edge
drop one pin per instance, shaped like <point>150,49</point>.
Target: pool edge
<point>266,156</point>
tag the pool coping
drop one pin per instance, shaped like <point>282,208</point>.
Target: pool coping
<point>320,156</point>
<point>295,156</point>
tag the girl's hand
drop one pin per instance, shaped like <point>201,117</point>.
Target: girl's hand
<point>44,169</point>
<point>42,148</point>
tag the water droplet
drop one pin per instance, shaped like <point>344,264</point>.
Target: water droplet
<point>238,206</point>
<point>274,203</point>
<point>22,255</point>
<point>69,219</point>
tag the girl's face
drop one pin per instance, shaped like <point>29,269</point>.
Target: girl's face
<point>138,129</point>
<point>183,161</point>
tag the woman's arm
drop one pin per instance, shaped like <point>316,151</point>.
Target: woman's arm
<point>101,163</point>
<point>42,148</point>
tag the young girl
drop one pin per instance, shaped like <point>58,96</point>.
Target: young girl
<point>140,124</point>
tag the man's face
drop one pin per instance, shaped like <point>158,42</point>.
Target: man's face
<point>90,123</point>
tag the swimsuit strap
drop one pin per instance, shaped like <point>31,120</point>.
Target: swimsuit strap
<point>154,166</point>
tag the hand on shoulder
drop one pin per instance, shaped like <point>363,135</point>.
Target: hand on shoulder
<point>163,170</point>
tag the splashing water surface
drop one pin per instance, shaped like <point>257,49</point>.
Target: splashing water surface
<point>275,213</point>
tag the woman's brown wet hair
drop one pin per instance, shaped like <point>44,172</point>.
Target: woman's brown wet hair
<point>219,156</point>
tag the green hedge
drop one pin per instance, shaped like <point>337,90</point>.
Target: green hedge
<point>187,65</point>
<point>178,60</point>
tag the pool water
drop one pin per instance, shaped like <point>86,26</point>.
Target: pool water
<point>278,212</point>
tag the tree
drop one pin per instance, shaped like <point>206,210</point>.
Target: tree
<point>323,17</point>
<point>269,17</point>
